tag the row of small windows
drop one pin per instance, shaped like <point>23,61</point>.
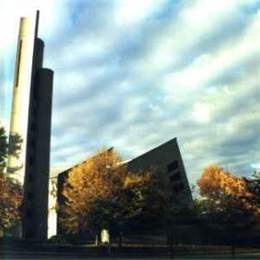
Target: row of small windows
<point>178,187</point>
<point>35,96</point>
<point>28,213</point>
<point>29,195</point>
<point>32,142</point>
<point>173,170</point>
<point>34,112</point>
<point>30,177</point>
<point>175,177</point>
<point>31,160</point>
<point>33,126</point>
<point>173,166</point>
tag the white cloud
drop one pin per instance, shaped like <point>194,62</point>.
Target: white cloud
<point>132,12</point>
<point>201,113</point>
<point>137,77</point>
<point>256,166</point>
<point>186,89</point>
<point>12,10</point>
<point>193,25</point>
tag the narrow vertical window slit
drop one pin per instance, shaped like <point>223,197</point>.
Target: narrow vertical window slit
<point>18,64</point>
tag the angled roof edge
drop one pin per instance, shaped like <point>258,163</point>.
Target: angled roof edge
<point>82,161</point>
<point>173,140</point>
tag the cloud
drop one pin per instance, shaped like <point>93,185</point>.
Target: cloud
<point>134,74</point>
<point>133,12</point>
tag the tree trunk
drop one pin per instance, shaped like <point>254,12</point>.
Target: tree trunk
<point>96,240</point>
<point>120,240</point>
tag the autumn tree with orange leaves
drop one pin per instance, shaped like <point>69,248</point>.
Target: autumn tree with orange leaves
<point>102,193</point>
<point>220,185</point>
<point>98,178</point>
<point>10,201</point>
<point>10,191</point>
<point>227,196</point>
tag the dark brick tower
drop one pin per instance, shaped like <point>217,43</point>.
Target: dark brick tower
<point>35,205</point>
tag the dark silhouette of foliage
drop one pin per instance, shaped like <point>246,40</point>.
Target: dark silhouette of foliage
<point>10,201</point>
<point>15,144</point>
<point>229,204</point>
<point>253,185</point>
<point>10,190</point>
<point>14,148</point>
<point>102,193</point>
<point>3,148</point>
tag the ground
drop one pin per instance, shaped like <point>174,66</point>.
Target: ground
<point>12,253</point>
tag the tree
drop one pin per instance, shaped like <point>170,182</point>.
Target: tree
<point>10,201</point>
<point>14,149</point>
<point>97,179</point>
<point>102,193</point>
<point>227,202</point>
<point>3,148</point>
<point>253,185</point>
<point>144,199</point>
<point>11,192</point>
<point>226,191</point>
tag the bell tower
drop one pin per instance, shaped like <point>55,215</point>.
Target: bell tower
<point>31,123</point>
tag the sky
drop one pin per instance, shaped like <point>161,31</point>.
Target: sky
<point>133,74</point>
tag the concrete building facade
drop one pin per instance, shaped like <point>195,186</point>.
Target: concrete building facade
<point>166,159</point>
<point>20,102</point>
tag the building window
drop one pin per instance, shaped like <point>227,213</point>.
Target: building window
<point>175,176</point>
<point>30,177</point>
<point>173,166</point>
<point>35,95</point>
<point>33,126</point>
<point>29,195</point>
<point>31,160</point>
<point>18,63</point>
<point>35,107</point>
<point>28,213</point>
<point>32,142</point>
<point>178,187</point>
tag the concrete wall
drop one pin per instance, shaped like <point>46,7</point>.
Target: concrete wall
<point>20,102</point>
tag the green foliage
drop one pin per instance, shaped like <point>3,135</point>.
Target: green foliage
<point>3,148</point>
<point>145,199</point>
<point>104,214</point>
<point>14,149</point>
<point>15,144</point>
